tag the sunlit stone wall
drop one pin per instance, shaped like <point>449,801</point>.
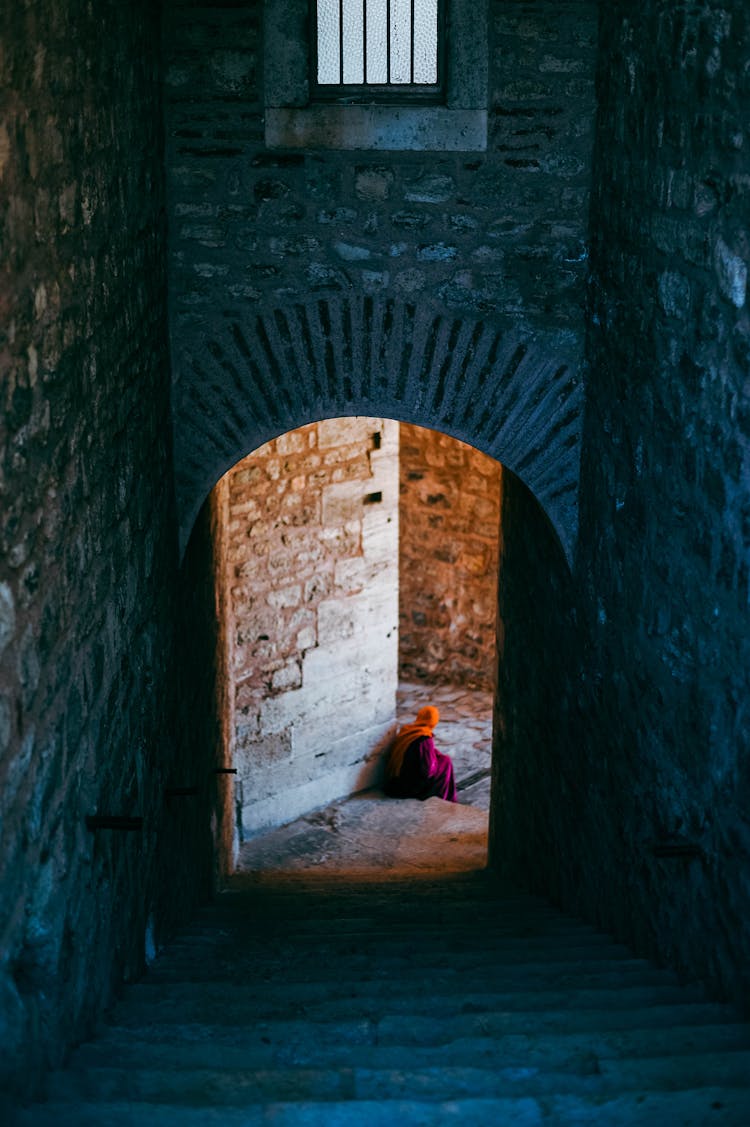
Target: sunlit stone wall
<point>449,521</point>
<point>313,592</point>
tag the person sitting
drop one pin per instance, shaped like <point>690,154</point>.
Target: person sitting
<point>415,768</point>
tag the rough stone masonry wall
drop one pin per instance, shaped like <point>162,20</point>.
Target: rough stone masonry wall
<point>663,753</point>
<point>87,534</point>
<point>449,518</point>
<point>500,234</point>
<point>502,231</point>
<point>312,578</point>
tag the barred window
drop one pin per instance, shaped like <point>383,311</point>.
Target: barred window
<point>377,50</point>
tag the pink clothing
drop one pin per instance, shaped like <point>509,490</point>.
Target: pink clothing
<point>425,772</point>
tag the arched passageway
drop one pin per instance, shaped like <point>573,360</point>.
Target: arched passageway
<point>505,392</point>
<point>316,560</point>
<point>250,379</point>
<point>359,555</point>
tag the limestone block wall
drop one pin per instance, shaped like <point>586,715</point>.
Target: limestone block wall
<point>449,513</point>
<point>313,593</point>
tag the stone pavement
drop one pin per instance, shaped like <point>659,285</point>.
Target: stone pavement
<point>371,835</point>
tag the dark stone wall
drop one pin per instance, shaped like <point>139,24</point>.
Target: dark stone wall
<point>285,258</point>
<point>537,792</point>
<point>667,477</point>
<point>88,549</point>
<point>197,832</point>
<point>656,721</point>
<point>502,231</point>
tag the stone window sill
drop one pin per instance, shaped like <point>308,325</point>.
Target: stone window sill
<point>384,128</point>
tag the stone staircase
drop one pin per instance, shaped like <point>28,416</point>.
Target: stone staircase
<point>332,1002</point>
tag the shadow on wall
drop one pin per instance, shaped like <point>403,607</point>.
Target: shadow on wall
<point>539,708</point>
<point>312,593</point>
<point>312,567</point>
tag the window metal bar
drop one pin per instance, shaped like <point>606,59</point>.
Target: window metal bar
<point>442,33</point>
<point>388,90</point>
<point>388,39</point>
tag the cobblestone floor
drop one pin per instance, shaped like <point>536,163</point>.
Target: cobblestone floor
<point>370,835</point>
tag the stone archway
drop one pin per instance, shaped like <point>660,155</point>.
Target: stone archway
<point>284,365</point>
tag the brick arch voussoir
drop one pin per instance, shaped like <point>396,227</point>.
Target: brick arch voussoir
<point>282,366</point>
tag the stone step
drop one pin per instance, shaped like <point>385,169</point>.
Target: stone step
<point>316,905</point>
<point>431,977</point>
<point>379,931</point>
<point>258,941</point>
<point>321,1007</point>
<point>408,1029</point>
<point>212,1046</point>
<point>304,910</point>
<point>424,964</point>
<point>237,1004</point>
<point>299,893</point>
<point>416,1030</point>
<point>529,976</point>
<point>315,910</point>
<point>238,1087</point>
<point>406,960</point>
<point>373,887</point>
<point>326,1003</point>
<point>720,1107</point>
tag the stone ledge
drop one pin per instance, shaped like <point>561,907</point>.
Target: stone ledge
<point>383,128</point>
